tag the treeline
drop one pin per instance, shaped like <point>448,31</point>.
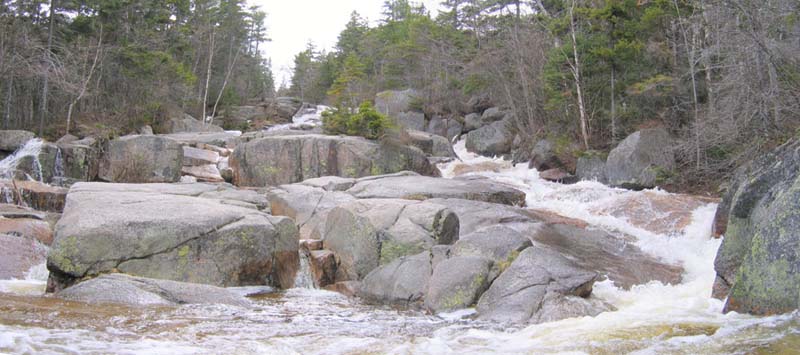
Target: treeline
<point>125,63</point>
<point>722,75</point>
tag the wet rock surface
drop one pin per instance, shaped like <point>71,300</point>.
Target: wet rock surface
<point>36,195</point>
<point>518,294</point>
<point>139,291</point>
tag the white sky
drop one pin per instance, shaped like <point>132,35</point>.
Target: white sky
<point>292,23</point>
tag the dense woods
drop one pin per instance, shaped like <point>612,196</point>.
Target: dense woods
<point>118,64</point>
<point>722,75</point>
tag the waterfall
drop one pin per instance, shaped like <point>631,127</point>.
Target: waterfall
<point>307,118</point>
<point>7,196</point>
<point>303,279</point>
<point>37,170</point>
<point>32,148</point>
<point>58,168</point>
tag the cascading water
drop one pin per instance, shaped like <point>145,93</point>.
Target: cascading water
<point>7,195</point>
<point>303,279</point>
<point>58,165</point>
<point>8,166</point>
<point>307,118</point>
<point>653,318</point>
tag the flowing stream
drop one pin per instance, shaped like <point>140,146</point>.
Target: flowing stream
<point>32,148</point>
<point>306,118</point>
<point>651,319</point>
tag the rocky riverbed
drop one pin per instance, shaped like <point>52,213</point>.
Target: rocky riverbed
<point>396,254</point>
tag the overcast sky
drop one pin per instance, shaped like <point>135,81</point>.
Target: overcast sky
<point>292,23</point>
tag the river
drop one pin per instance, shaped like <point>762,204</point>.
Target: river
<point>650,319</point>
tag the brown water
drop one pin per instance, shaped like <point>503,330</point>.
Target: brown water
<point>306,321</point>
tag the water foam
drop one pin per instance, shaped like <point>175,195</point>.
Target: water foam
<point>32,148</point>
<point>647,315</point>
<point>33,284</point>
<point>650,319</point>
<point>306,118</point>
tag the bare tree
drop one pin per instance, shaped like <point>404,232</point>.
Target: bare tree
<point>87,80</point>
<point>575,66</point>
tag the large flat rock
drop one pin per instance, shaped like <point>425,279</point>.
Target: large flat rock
<point>423,187</point>
<point>166,231</point>
<point>308,206</point>
<point>610,256</point>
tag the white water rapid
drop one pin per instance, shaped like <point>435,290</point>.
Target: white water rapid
<point>307,118</point>
<point>32,148</point>
<point>650,319</point>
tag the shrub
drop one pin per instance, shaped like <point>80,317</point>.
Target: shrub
<point>365,122</point>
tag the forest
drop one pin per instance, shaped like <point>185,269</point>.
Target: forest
<point>112,65</point>
<point>722,75</point>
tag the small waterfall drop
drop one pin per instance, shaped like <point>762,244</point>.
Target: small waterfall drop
<point>32,148</point>
<point>307,118</point>
<point>303,279</point>
<point>6,195</point>
<point>58,166</point>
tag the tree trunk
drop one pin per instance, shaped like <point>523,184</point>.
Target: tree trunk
<point>576,73</point>
<point>49,62</point>
<point>7,106</point>
<point>691,56</point>
<point>225,82</point>
<point>208,73</point>
<point>88,79</point>
<point>613,105</point>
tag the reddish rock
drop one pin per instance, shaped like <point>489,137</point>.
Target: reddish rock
<point>558,175</point>
<point>489,166</point>
<point>18,255</point>
<point>323,267</point>
<point>554,218</point>
<point>311,244</point>
<point>612,256</point>
<point>656,212</point>
<point>223,152</point>
<point>203,173</point>
<point>347,288</point>
<point>36,195</point>
<point>14,211</point>
<point>27,227</point>
<point>197,157</point>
